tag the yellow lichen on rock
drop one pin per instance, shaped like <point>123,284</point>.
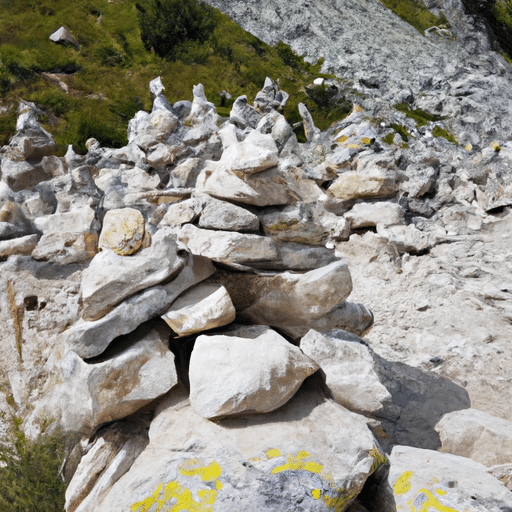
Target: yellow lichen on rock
<point>123,231</point>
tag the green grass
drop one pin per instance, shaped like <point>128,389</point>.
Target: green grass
<point>402,130</point>
<point>416,14</point>
<point>113,64</point>
<point>420,116</point>
<point>441,132</point>
<point>29,476</point>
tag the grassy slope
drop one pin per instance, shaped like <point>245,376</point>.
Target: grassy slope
<point>108,76</point>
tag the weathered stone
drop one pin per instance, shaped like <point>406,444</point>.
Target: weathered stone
<point>444,481</point>
<point>476,435</point>
<point>319,457</point>
<point>203,307</point>
<point>370,214</point>
<point>123,231</point>
<point>227,217</point>
<point>21,245</point>
<point>286,298</point>
<point>349,370</point>
<point>186,173</point>
<point>89,339</point>
<point>64,36</point>
<point>407,238</point>
<point>110,456</point>
<point>79,220</point>
<point>13,221</point>
<point>243,115</point>
<point>110,278</point>
<point>351,317</point>
<point>139,370</point>
<point>375,182</point>
<point>183,212</point>
<point>226,246</point>
<point>311,131</point>
<point>65,248</point>
<point>23,174</point>
<point>264,373</point>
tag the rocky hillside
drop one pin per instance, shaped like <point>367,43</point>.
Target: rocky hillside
<point>218,317</point>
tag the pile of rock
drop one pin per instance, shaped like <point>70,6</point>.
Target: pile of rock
<point>181,303</point>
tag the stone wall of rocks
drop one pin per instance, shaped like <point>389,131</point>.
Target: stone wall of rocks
<point>182,304</point>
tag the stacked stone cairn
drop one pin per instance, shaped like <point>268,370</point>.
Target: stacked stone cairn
<point>186,300</point>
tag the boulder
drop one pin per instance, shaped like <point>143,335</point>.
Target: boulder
<point>227,217</point>
<point>292,299</point>
<point>476,435</point>
<point>110,278</point>
<point>65,248</point>
<point>203,307</point>
<point>21,245</point>
<point>349,370</point>
<point>22,175</point>
<point>243,115</point>
<point>441,481</point>
<point>370,214</point>
<point>183,212</point>
<point>123,231</point>
<point>78,220</point>
<point>374,182</point>
<point>226,246</point>
<point>89,339</point>
<point>64,36</point>
<point>309,455</point>
<point>139,369</point>
<point>251,374</point>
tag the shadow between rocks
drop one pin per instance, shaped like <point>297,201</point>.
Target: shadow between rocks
<point>419,400</point>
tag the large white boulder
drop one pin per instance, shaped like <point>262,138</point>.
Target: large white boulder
<point>140,370</point>
<point>310,455</point>
<point>250,371</point>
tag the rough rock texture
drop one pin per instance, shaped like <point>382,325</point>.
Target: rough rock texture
<point>422,222</point>
<point>442,481</point>
<point>247,463</point>
<point>245,372</point>
<point>476,435</point>
<point>204,307</point>
<point>139,369</point>
<point>349,370</point>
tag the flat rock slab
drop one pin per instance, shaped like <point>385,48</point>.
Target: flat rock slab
<point>89,339</point>
<point>228,247</point>
<point>234,374</point>
<point>349,370</point>
<point>206,306</point>
<point>310,455</point>
<point>110,278</point>
<point>476,435</point>
<point>428,480</point>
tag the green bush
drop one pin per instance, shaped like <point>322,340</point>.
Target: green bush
<point>29,476</point>
<point>166,25</point>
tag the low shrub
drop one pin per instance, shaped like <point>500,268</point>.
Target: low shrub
<point>30,478</point>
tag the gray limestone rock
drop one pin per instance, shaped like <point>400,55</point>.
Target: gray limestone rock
<point>444,481</point>
<point>476,435</point>
<point>264,373</point>
<point>318,458</point>
<point>203,307</point>
<point>226,246</point>
<point>349,370</point>
<point>64,36</point>
<point>227,217</point>
<point>110,278</point>
<point>139,369</point>
<point>89,339</point>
